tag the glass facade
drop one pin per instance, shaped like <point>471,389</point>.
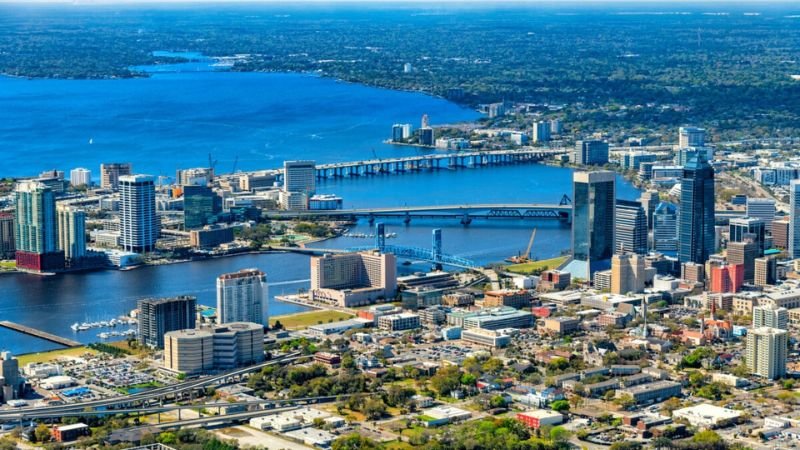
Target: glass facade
<point>696,218</point>
<point>201,206</point>
<point>593,219</point>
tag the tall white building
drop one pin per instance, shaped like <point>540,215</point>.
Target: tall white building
<point>353,279</point>
<point>242,297</point>
<point>794,219</point>
<point>762,208</point>
<point>71,231</point>
<point>541,132</point>
<point>80,177</point>
<point>139,224</point>
<point>771,316</point>
<point>766,352</point>
<point>300,176</point>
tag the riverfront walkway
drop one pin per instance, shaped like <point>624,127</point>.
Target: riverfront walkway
<point>40,334</point>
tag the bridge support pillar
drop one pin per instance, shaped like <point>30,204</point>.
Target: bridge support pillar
<point>466,219</point>
<point>407,219</point>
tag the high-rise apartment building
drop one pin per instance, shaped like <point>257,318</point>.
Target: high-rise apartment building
<point>139,223</point>
<point>242,297</point>
<point>766,352</point>
<point>541,131</point>
<point>110,173</point>
<point>592,222</point>
<point>762,208</point>
<point>691,137</point>
<point>693,272</point>
<point>590,153</point>
<point>627,273</point>
<point>354,279</point>
<point>742,229</point>
<point>630,228</point>
<point>771,316</point>
<point>198,176</point>
<point>71,231</point>
<point>162,315</point>
<point>665,228</point>
<point>36,229</point>
<point>726,278</point>
<point>696,212</point>
<point>300,176</point>
<point>80,177</point>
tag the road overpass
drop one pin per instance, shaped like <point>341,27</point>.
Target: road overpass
<point>146,397</point>
<point>465,213</point>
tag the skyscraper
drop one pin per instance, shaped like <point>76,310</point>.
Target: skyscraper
<point>242,297</point>
<point>742,229</point>
<point>7,245</point>
<point>300,176</point>
<point>627,273</point>
<point>766,269</point>
<point>35,228</point>
<point>766,352</point>
<point>762,208</point>
<point>630,228</point>
<point>71,231</point>
<point>770,316</point>
<point>201,206</point>
<point>592,222</point>
<point>649,200</point>
<point>139,224</point>
<point>794,219</point>
<point>696,216</point>
<point>665,228</point>
<point>590,153</point>
<point>161,315</point>
<point>110,173</point>
<point>541,131</point>
<point>80,177</point>
<point>744,253</point>
<point>691,137</point>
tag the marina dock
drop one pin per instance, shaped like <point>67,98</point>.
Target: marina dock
<point>40,334</point>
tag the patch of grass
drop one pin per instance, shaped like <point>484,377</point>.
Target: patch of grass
<point>53,355</point>
<point>8,265</point>
<point>306,319</point>
<point>532,266</point>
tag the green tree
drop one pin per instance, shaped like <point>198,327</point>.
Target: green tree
<point>354,442</point>
<point>168,438</point>
<point>560,405</point>
<point>707,437</point>
<point>559,434</point>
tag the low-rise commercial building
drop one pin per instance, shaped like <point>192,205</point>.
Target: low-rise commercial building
<point>399,322</point>
<point>538,418</point>
<point>507,297</point>
<point>489,338</point>
<point>652,392</point>
<point>707,416</point>
<point>223,347</point>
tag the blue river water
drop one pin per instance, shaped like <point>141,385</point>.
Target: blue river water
<point>174,118</point>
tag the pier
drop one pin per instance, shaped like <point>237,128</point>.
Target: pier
<point>40,334</point>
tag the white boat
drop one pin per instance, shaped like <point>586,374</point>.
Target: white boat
<point>75,326</point>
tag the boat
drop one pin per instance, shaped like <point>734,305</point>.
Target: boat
<point>75,326</point>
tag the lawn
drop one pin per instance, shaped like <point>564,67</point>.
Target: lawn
<point>8,265</point>
<point>53,355</point>
<point>306,319</point>
<point>541,264</point>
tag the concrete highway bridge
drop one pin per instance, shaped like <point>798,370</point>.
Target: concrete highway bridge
<point>435,162</point>
<point>465,213</point>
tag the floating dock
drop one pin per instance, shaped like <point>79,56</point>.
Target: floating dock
<point>40,334</point>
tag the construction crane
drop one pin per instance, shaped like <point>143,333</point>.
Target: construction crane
<point>212,163</point>
<point>525,257</point>
<point>235,163</point>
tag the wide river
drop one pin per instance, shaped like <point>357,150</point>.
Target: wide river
<point>174,118</point>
